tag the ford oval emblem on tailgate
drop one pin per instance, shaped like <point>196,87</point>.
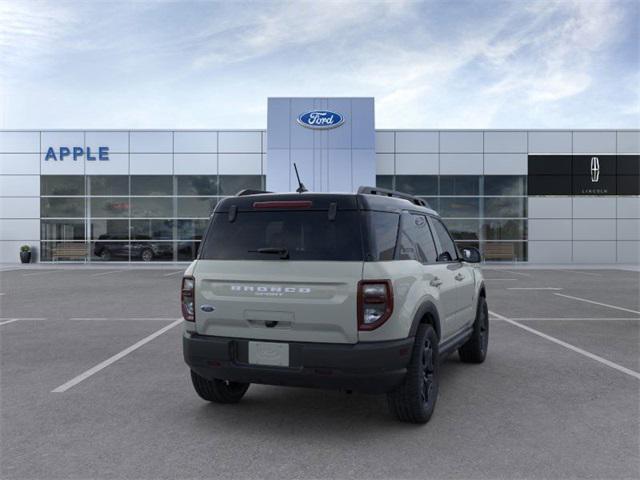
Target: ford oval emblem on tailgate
<point>207,308</point>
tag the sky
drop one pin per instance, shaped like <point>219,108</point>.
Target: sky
<point>436,64</point>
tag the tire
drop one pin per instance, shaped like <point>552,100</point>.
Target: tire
<point>146,255</point>
<point>475,349</point>
<point>105,255</point>
<point>218,391</point>
<point>415,400</point>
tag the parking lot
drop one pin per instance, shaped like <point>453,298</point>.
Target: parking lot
<point>93,385</point>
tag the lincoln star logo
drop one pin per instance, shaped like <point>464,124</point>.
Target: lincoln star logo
<point>320,119</point>
<point>595,169</point>
<point>271,291</point>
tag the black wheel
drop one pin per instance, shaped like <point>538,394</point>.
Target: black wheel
<point>105,255</point>
<point>218,391</point>
<point>415,400</point>
<point>147,255</point>
<point>475,349</point>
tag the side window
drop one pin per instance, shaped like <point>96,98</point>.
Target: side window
<point>406,247</point>
<point>416,242</point>
<point>448,251</point>
<point>383,228</point>
<point>425,238</point>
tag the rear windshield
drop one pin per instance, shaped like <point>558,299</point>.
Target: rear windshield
<point>303,235</point>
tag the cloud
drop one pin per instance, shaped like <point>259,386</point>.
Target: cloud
<point>269,27</point>
<point>30,29</point>
<point>437,64</point>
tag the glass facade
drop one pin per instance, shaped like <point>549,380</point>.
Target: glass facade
<point>488,212</point>
<point>543,196</point>
<point>137,218</point>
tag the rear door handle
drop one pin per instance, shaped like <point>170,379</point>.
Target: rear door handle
<point>436,282</point>
<point>459,277</point>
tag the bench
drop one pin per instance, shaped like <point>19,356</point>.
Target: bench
<point>498,251</point>
<point>69,251</point>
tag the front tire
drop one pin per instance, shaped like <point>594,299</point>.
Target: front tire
<point>414,401</point>
<point>147,255</point>
<point>475,349</point>
<point>218,391</point>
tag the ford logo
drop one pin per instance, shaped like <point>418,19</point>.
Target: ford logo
<point>320,119</point>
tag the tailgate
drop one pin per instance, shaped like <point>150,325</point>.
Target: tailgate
<point>305,301</point>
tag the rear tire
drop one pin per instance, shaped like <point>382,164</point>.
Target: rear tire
<point>415,400</point>
<point>475,349</point>
<point>218,391</point>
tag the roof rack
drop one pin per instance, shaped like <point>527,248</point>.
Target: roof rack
<point>249,191</point>
<point>392,193</point>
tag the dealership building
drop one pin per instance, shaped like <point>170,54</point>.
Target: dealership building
<point>538,196</point>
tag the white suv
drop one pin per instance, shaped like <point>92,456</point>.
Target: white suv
<point>360,292</point>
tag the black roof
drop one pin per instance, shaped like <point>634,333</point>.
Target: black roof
<point>321,201</point>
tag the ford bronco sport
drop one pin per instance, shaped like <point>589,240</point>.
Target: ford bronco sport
<point>361,292</point>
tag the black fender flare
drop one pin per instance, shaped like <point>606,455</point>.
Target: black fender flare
<point>427,307</point>
<point>482,291</point>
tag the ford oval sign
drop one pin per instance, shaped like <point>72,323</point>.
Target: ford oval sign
<point>320,119</point>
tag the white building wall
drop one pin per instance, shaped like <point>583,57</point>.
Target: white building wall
<point>561,229</point>
<point>22,155</point>
<point>19,193</point>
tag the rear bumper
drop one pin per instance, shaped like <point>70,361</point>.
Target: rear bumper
<point>375,367</point>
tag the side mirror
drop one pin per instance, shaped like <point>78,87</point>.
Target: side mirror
<point>444,257</point>
<point>471,255</point>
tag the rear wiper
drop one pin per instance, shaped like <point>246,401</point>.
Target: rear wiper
<point>283,252</point>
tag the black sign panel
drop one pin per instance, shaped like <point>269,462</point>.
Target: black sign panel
<point>584,174</point>
<point>628,185</point>
<point>549,184</point>
<point>549,164</point>
<point>628,164</point>
<point>604,164</point>
<point>585,185</point>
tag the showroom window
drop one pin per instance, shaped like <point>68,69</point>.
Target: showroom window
<point>137,218</point>
<point>486,212</point>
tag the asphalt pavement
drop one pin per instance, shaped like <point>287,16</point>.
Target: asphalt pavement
<point>93,385</point>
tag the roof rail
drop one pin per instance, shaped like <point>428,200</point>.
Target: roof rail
<point>249,191</point>
<point>392,193</point>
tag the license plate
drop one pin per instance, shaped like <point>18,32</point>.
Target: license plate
<point>269,353</point>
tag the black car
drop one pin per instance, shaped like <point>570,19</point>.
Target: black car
<point>113,247</point>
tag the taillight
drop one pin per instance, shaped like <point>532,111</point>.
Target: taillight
<point>187,298</point>
<point>284,204</point>
<point>375,303</point>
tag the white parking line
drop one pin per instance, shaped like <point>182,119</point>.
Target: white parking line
<point>83,376</point>
<point>597,303</point>
<point>579,272</point>
<point>573,348</point>
<point>134,319</point>
<point>518,273</point>
<point>500,279</point>
<point>534,288</point>
<point>173,273</point>
<point>40,273</point>
<point>11,320</point>
<point>105,273</point>
<point>574,319</point>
